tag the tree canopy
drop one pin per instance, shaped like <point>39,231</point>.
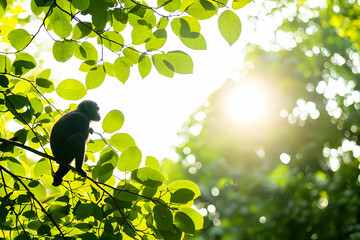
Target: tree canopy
<point>293,173</point>
<point>110,38</point>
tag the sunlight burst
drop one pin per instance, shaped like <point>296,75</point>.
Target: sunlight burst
<point>246,104</point>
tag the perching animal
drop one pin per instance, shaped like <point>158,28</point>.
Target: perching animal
<point>69,136</point>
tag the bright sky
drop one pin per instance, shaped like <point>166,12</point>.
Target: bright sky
<point>155,108</point>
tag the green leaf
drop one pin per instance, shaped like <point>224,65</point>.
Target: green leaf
<point>97,211</point>
<point>87,65</point>
<point>42,3</point>
<point>113,121</point>
<point>163,65</point>
<point>3,5</point>
<point>140,34</point>
<point>148,177</point>
<point>172,234</point>
<point>15,166</point>
<point>83,227</point>
<point>5,64</point>
<point>37,189</point>
<point>4,82</point>
<point>81,4</point>
<point>57,211</point>
<point>105,172</point>
<point>83,211</point>
<point>43,83</point>
<point>157,40</point>
<point>182,62</point>
<point>71,89</point>
<point>163,217</point>
<point>221,3</point>
<point>95,77</point>
<point>163,22</point>
<point>169,6</point>
<point>152,163</point>
<point>144,65</point>
<point>109,69</point>
<point>99,16</point>
<point>86,51</point>
<point>126,196</point>
<point>41,167</point>
<point>182,196</point>
<point>119,19</point>
<point>187,29</point>
<point>113,41</point>
<point>202,9</point>
<point>121,141</point>
<point>96,145</point>
<point>36,106</point>
<point>19,38</point>
<point>196,217</point>
<point>62,27</point>
<point>63,50</point>
<point>81,30</point>
<point>237,4</point>
<point>130,159</point>
<point>229,26</point>
<point>23,63</point>
<point>121,69</point>
<point>131,55</point>
<point>184,223</point>
<point>184,184</point>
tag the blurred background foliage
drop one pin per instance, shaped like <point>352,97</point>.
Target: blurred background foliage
<point>293,173</point>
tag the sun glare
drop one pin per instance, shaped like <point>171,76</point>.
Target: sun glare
<point>246,104</point>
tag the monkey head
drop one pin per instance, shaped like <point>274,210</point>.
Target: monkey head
<point>90,109</point>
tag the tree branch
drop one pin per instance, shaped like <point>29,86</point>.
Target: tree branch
<point>33,197</point>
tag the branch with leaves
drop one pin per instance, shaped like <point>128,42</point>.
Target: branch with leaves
<point>143,205</point>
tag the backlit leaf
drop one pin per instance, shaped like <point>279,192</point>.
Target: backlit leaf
<point>184,184</point>
<point>163,217</point>
<point>229,26</point>
<point>113,41</point>
<point>184,222</point>
<point>144,65</point>
<point>148,177</point>
<point>3,5</point>
<point>95,77</point>
<point>19,38</point>
<point>152,163</point>
<point>83,211</point>
<point>182,62</point>
<point>113,121</point>
<point>63,50</point>
<point>163,65</point>
<point>81,30</point>
<point>71,89</point>
<point>43,81</point>
<point>23,63</point>
<point>196,217</point>
<point>86,51</point>
<point>202,9</point>
<point>81,4</point>
<point>16,167</point>
<point>121,141</point>
<point>121,69</point>
<point>119,19</point>
<point>130,159</point>
<point>157,40</point>
<point>237,4</point>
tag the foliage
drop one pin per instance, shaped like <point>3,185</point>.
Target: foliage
<point>295,173</point>
<point>142,205</point>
